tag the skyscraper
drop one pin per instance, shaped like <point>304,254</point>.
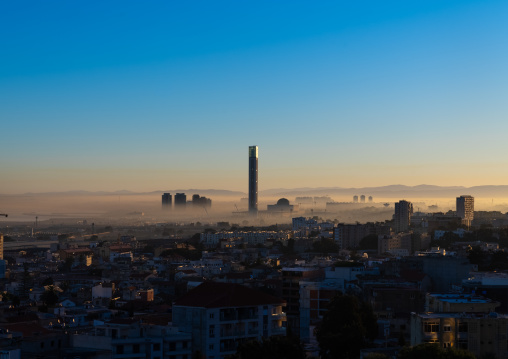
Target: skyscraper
<point>180,200</point>
<point>402,216</point>
<point>167,200</point>
<point>253,180</point>
<point>465,209</point>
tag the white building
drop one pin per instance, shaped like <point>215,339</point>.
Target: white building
<point>222,315</point>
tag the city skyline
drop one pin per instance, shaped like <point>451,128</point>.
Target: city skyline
<point>122,96</point>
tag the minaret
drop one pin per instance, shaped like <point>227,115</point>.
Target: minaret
<point>253,180</point>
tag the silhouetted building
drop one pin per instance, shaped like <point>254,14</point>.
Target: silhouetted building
<point>167,200</point>
<point>402,216</point>
<point>180,200</point>
<point>198,201</point>
<point>362,198</point>
<point>282,206</point>
<point>370,199</point>
<point>465,209</point>
<point>253,180</point>
<point>291,278</point>
<point>355,199</point>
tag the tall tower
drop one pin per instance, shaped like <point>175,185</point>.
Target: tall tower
<point>402,216</point>
<point>253,180</point>
<point>2,249</point>
<point>167,200</point>
<point>465,209</point>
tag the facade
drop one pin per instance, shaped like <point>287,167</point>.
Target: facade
<point>253,180</point>
<point>180,200</point>
<point>198,201</point>
<point>314,298</point>
<point>349,235</point>
<point>459,303</point>
<point>291,279</point>
<point>402,216</point>
<point>398,244</point>
<point>465,209</point>
<point>125,338</point>
<point>167,200</point>
<point>479,333</point>
<point>220,316</point>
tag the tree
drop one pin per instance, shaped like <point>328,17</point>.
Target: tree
<point>346,327</point>
<point>325,246</point>
<point>277,347</point>
<point>369,242</point>
<point>47,281</point>
<point>49,297</point>
<point>434,351</point>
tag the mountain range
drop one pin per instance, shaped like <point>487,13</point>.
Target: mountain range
<point>396,191</point>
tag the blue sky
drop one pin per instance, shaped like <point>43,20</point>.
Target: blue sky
<point>161,95</point>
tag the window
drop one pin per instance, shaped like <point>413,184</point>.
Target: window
<point>463,327</point>
<point>430,327</point>
<point>211,331</point>
<point>447,345</point>
<point>211,315</point>
<point>462,343</point>
<point>184,345</point>
<point>157,347</point>
<point>431,341</point>
<point>172,346</point>
<point>210,347</point>
<point>447,328</point>
<point>119,349</point>
<point>135,348</point>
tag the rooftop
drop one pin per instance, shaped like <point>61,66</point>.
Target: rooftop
<point>220,295</point>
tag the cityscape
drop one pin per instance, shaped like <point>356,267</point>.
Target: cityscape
<point>280,180</point>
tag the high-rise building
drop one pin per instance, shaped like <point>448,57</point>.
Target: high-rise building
<point>180,200</point>
<point>1,246</point>
<point>198,201</point>
<point>402,216</point>
<point>253,180</point>
<point>167,200</point>
<point>465,209</point>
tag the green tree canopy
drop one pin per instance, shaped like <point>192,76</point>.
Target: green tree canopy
<point>277,347</point>
<point>434,351</point>
<point>369,242</point>
<point>346,328</point>
<point>49,297</point>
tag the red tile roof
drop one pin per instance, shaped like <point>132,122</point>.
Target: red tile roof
<point>221,295</point>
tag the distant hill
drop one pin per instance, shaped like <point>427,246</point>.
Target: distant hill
<point>399,191</point>
<point>189,192</point>
<point>395,191</point>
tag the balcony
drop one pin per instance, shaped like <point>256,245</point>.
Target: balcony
<point>279,316</point>
<point>278,331</point>
<point>232,333</point>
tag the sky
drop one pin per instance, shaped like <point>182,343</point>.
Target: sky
<point>159,95</point>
